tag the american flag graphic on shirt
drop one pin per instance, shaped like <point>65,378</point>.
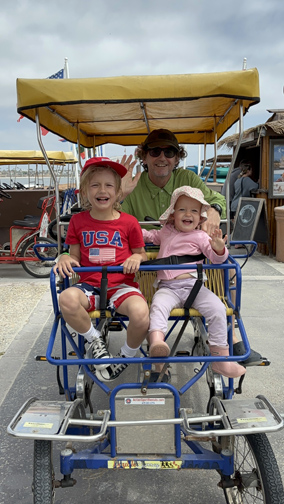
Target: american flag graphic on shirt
<point>100,255</point>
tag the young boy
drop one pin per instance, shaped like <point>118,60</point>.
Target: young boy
<point>102,235</point>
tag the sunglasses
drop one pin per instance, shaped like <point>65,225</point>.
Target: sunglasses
<point>169,152</point>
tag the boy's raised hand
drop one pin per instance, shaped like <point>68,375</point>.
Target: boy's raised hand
<point>218,242</point>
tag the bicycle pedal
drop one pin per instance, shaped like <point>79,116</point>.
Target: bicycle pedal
<point>265,362</point>
<point>40,358</point>
<point>182,353</point>
<point>115,326</point>
<point>43,358</point>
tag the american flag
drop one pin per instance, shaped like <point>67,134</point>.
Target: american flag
<point>58,75</point>
<point>100,255</point>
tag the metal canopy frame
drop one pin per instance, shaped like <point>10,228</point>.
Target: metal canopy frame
<point>197,108</point>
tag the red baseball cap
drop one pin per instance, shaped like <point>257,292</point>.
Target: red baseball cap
<point>105,161</point>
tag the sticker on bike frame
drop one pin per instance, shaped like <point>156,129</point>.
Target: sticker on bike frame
<point>144,464</point>
<point>149,401</point>
<point>37,425</point>
<point>44,226</point>
<point>253,419</point>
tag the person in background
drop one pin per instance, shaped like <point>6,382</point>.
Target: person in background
<point>180,235</point>
<point>233,177</point>
<point>231,181</point>
<point>149,193</point>
<point>243,187</point>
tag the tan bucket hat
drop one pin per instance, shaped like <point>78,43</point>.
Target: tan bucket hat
<point>191,192</point>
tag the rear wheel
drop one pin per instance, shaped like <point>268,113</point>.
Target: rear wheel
<point>256,473</point>
<point>43,477</point>
<point>39,269</point>
<point>53,224</point>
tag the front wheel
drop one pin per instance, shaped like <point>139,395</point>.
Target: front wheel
<point>256,473</point>
<point>39,269</point>
<point>43,476</point>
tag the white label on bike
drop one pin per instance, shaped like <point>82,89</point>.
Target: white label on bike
<point>251,419</point>
<point>38,425</point>
<point>143,401</point>
<point>44,225</point>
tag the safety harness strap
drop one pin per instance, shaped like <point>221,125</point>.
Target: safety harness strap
<point>174,260</point>
<point>195,289</point>
<point>103,292</point>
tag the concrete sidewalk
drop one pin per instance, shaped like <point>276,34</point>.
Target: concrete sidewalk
<point>22,377</point>
<point>26,308</point>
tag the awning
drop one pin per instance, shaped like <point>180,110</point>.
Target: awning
<point>123,110</point>
<point>15,157</point>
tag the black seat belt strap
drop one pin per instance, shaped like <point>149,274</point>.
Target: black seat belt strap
<point>174,260</point>
<point>194,291</point>
<point>103,292</point>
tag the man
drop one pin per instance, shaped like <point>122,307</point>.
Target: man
<point>149,193</point>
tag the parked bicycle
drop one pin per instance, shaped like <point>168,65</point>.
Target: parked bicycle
<point>25,234</point>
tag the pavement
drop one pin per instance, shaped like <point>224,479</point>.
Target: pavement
<point>25,307</point>
<point>21,377</point>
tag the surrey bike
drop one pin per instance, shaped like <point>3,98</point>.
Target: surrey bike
<point>30,243</point>
<point>143,424</point>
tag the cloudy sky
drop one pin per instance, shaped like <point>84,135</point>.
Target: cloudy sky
<point>104,38</point>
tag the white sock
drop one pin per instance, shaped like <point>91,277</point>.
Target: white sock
<point>127,351</point>
<point>91,334</point>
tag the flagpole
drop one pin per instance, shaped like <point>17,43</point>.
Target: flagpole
<point>66,69</point>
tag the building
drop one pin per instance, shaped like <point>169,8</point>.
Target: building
<point>263,147</point>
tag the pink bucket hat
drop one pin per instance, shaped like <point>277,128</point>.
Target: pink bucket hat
<point>191,192</point>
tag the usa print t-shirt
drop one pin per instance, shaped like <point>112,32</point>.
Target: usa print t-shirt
<point>105,243</point>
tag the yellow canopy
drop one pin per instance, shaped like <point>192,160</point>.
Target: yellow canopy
<point>122,110</point>
<point>15,157</point>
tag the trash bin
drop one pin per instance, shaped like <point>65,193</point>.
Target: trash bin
<point>279,217</point>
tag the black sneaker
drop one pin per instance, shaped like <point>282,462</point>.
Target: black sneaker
<point>253,360</point>
<point>112,371</point>
<point>98,350</point>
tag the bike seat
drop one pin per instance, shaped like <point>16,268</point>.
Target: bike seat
<point>31,223</point>
<point>32,218</point>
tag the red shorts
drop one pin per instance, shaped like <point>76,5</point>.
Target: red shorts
<point>115,295</point>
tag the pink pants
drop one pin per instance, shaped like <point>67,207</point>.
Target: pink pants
<point>173,294</point>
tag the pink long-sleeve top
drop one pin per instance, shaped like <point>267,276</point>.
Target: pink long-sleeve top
<point>173,242</point>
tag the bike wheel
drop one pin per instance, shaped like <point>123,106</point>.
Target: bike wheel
<point>43,477</point>
<point>52,227</point>
<point>256,474</point>
<point>39,269</point>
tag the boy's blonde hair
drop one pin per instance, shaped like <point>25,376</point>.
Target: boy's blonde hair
<point>85,180</point>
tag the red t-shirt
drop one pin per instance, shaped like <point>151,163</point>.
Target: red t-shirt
<point>105,243</point>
